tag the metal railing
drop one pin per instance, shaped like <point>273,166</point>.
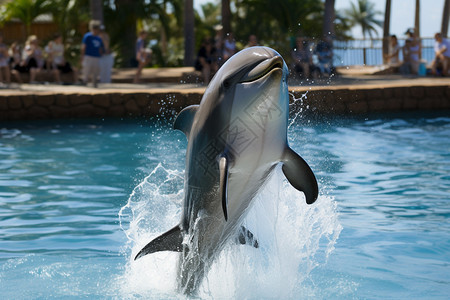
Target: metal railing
<point>370,52</point>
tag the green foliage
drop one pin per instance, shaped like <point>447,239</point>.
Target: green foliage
<point>25,10</point>
<point>364,14</point>
<point>70,15</point>
<point>204,27</point>
<point>274,22</point>
<point>342,26</point>
<point>67,14</point>
<point>164,22</point>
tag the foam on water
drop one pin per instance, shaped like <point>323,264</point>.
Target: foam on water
<point>294,239</point>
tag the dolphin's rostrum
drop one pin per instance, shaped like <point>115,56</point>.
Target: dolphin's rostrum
<point>236,136</point>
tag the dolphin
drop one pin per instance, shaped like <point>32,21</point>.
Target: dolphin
<point>236,136</point>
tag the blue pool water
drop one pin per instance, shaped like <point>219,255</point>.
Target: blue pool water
<point>79,198</point>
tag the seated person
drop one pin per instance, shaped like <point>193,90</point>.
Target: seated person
<point>229,47</point>
<point>302,58</point>
<point>416,49</point>
<point>405,68</point>
<point>56,61</point>
<point>31,60</point>
<point>206,61</point>
<point>4,62</point>
<point>15,61</point>
<point>411,60</point>
<point>442,55</point>
<point>252,41</point>
<point>394,50</point>
<point>324,51</point>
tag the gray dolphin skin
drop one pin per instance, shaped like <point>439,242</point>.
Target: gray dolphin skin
<point>236,136</point>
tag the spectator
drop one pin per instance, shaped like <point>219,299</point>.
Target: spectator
<point>56,61</point>
<point>16,61</point>
<point>252,41</point>
<point>143,55</point>
<point>406,66</point>
<point>4,62</point>
<point>229,47</point>
<point>411,53</point>
<point>218,44</point>
<point>107,59</point>
<point>33,58</point>
<point>394,50</point>
<point>415,49</point>
<point>302,58</point>
<point>206,62</point>
<point>442,55</point>
<point>29,61</point>
<point>324,51</point>
<point>91,51</point>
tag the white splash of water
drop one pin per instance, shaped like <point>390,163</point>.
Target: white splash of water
<point>294,239</point>
<point>153,207</point>
<point>296,106</point>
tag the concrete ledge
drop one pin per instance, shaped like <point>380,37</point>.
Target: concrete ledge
<point>328,100</point>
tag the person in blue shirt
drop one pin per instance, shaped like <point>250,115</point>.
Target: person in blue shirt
<point>91,52</point>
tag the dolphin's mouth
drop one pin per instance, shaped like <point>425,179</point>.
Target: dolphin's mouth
<point>263,68</point>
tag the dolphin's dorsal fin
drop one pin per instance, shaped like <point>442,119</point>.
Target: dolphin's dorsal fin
<point>223,172</point>
<point>185,119</point>
<point>170,241</point>
<point>300,175</point>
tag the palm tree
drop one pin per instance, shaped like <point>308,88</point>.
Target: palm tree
<point>275,21</point>
<point>97,10</point>
<point>386,27</point>
<point>417,19</point>
<point>189,37</point>
<point>226,16</point>
<point>126,19</point>
<point>26,11</point>
<point>364,15</point>
<point>445,18</point>
<point>288,14</point>
<point>329,16</point>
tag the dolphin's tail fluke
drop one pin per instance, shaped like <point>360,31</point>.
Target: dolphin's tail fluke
<point>170,241</point>
<point>300,175</point>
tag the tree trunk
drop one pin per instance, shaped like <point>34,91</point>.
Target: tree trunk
<point>189,35</point>
<point>126,16</point>
<point>445,17</point>
<point>417,20</point>
<point>96,7</point>
<point>386,27</point>
<point>328,22</point>
<point>226,17</point>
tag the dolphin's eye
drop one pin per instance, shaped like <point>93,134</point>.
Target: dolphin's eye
<point>226,84</point>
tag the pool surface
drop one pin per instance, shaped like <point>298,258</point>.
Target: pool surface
<point>79,198</point>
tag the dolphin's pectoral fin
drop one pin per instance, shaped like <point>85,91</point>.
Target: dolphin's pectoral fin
<point>170,241</point>
<point>223,172</point>
<point>246,237</point>
<point>185,119</point>
<point>300,175</point>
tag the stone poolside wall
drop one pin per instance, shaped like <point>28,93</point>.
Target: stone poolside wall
<point>335,100</point>
<point>368,99</point>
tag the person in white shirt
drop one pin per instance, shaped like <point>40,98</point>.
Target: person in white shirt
<point>56,61</point>
<point>394,50</point>
<point>442,55</point>
<point>107,59</point>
